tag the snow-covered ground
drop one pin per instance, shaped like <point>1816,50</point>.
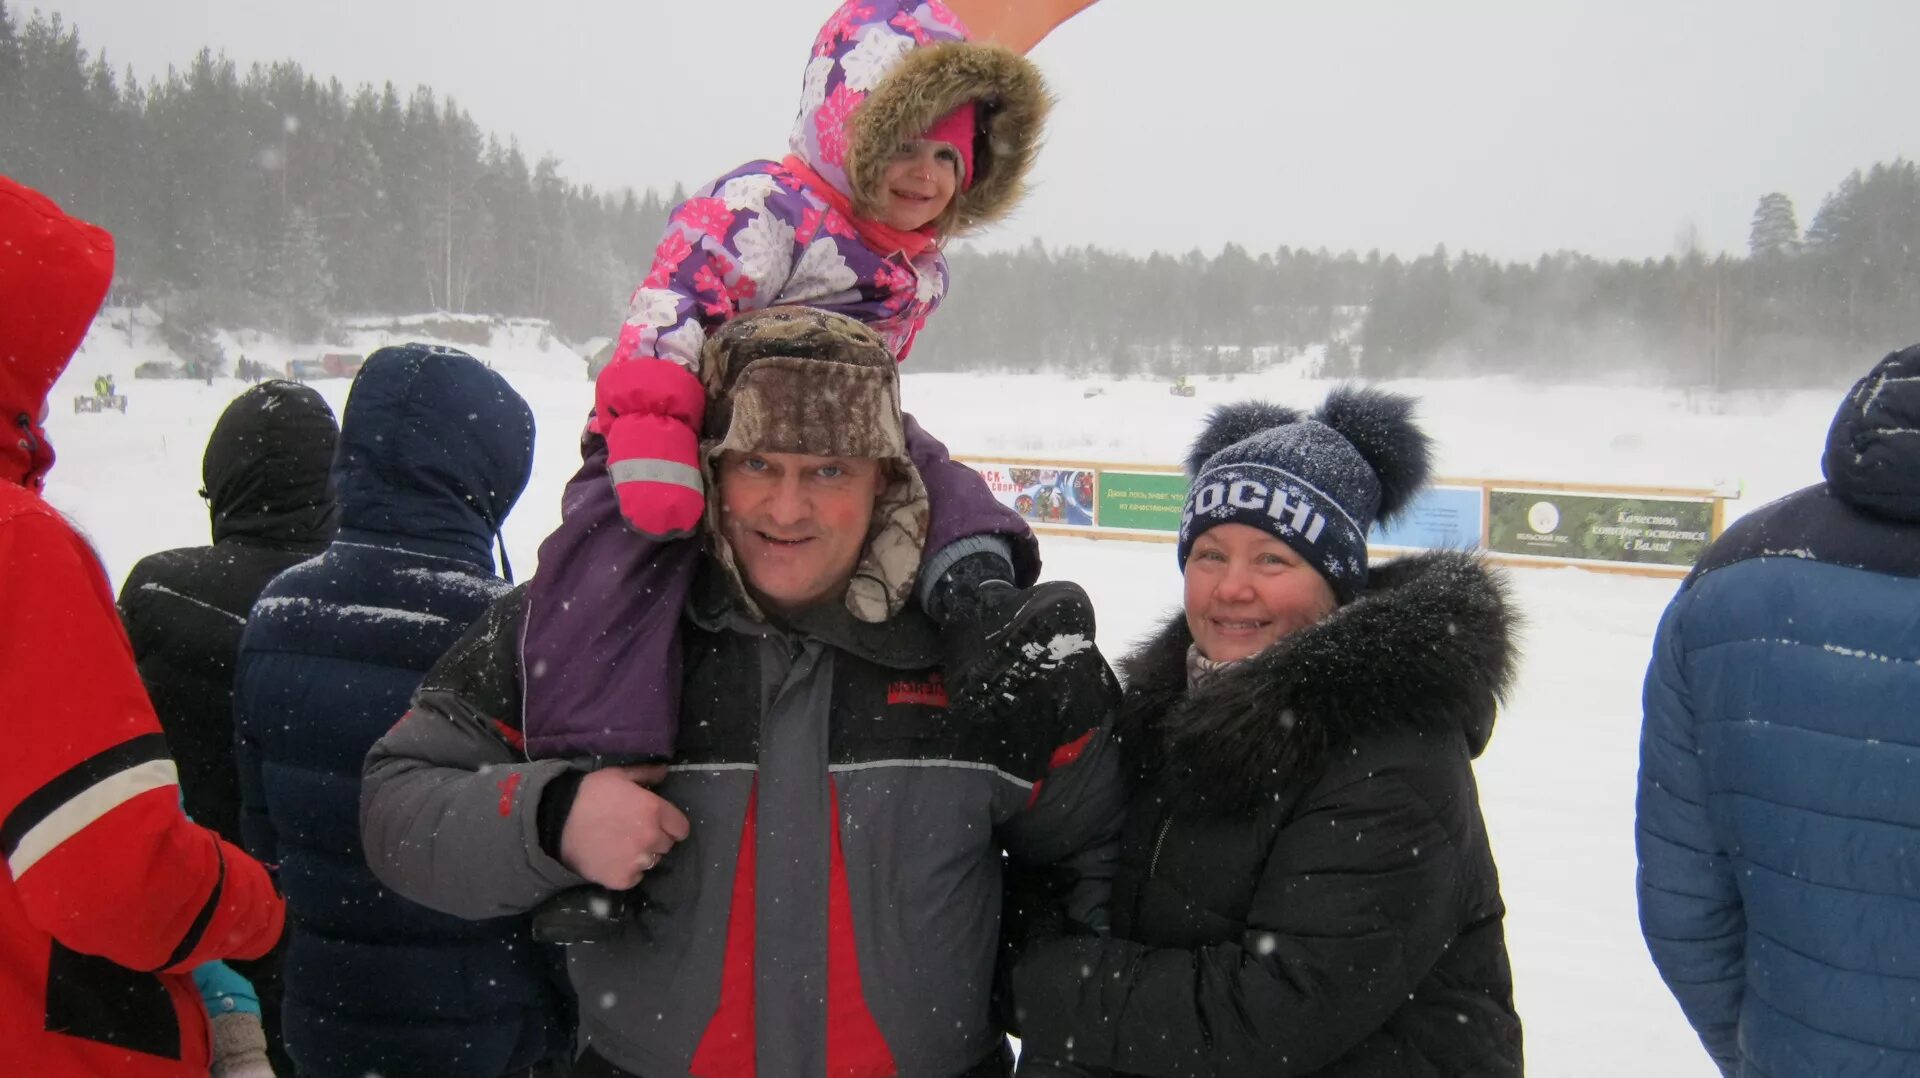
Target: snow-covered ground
<point>1558,781</point>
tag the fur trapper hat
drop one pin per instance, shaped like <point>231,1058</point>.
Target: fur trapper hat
<point>800,380</point>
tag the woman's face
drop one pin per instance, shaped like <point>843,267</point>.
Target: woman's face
<point>918,184</point>
<point>1246,589</point>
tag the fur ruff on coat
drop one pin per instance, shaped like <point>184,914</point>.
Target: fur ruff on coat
<point>1428,644</point>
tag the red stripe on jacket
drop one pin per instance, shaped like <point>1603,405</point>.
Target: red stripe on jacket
<point>726,1048</point>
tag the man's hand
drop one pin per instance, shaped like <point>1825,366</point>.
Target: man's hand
<point>618,830</point>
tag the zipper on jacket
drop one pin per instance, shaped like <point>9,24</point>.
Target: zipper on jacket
<point>1165,826</point>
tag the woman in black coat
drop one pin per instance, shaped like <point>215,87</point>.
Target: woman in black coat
<point>1306,886</point>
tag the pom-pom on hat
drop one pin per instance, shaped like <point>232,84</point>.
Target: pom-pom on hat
<point>1317,483</point>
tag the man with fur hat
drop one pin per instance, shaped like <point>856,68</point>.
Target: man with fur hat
<point>909,132</point>
<point>1305,884</point>
<point>816,878</point>
<point>1779,810</point>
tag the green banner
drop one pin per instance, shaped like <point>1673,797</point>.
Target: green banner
<point>1143,501</point>
<point>1661,531</point>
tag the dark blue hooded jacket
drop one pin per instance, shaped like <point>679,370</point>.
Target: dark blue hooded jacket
<point>1779,804</point>
<point>434,449</point>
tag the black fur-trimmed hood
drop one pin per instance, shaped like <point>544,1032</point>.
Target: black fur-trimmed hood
<point>1428,646</point>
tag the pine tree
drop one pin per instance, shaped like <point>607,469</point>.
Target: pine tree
<point>1834,226</point>
<point>1775,230</point>
<point>301,283</point>
<point>12,78</point>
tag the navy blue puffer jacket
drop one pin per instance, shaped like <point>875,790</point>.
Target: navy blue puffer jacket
<point>434,449</point>
<point>1779,804</point>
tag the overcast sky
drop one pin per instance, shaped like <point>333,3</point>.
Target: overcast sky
<point>1507,126</point>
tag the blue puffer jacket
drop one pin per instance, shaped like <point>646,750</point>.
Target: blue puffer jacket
<point>1779,805</point>
<point>434,449</point>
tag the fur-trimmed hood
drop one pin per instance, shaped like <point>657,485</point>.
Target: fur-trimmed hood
<point>883,70</point>
<point>1428,646</point>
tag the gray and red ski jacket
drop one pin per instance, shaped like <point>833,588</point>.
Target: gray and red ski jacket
<point>836,907</point>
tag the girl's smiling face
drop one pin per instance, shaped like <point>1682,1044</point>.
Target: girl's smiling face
<point>918,184</point>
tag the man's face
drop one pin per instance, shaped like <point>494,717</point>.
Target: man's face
<point>797,523</point>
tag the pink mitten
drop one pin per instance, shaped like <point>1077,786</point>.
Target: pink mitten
<point>653,409</point>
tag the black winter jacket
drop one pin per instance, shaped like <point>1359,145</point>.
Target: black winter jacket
<point>1305,886</point>
<point>265,477</point>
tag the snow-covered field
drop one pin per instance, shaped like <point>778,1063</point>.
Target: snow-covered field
<point>1558,781</point>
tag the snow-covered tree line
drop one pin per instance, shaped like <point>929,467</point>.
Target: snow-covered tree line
<point>275,199</point>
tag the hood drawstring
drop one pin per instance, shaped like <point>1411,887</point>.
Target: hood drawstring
<point>506,566</point>
<point>39,453</point>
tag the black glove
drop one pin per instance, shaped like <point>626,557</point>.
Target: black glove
<point>1005,638</point>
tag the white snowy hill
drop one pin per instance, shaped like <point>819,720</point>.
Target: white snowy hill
<point>1558,781</point>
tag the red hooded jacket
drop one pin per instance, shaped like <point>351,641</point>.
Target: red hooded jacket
<point>111,896</point>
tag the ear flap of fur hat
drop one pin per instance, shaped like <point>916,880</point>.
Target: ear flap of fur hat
<point>1230,423</point>
<point>1380,426</point>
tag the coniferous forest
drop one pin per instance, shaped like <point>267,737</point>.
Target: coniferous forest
<point>278,199</point>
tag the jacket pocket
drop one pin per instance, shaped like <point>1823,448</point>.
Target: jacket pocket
<point>99,1000</point>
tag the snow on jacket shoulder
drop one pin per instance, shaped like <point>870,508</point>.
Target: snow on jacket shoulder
<point>1779,799</point>
<point>112,896</point>
<point>334,648</point>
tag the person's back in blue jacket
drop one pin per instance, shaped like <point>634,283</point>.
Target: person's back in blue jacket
<point>1779,806</point>
<point>434,449</point>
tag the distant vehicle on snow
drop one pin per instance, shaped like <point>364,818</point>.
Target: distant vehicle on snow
<point>104,398</point>
<point>331,365</point>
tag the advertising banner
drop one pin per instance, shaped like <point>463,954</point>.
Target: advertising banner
<point>1060,497</point>
<point>1598,527</point>
<point>1440,518</point>
<point>1142,501</point>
